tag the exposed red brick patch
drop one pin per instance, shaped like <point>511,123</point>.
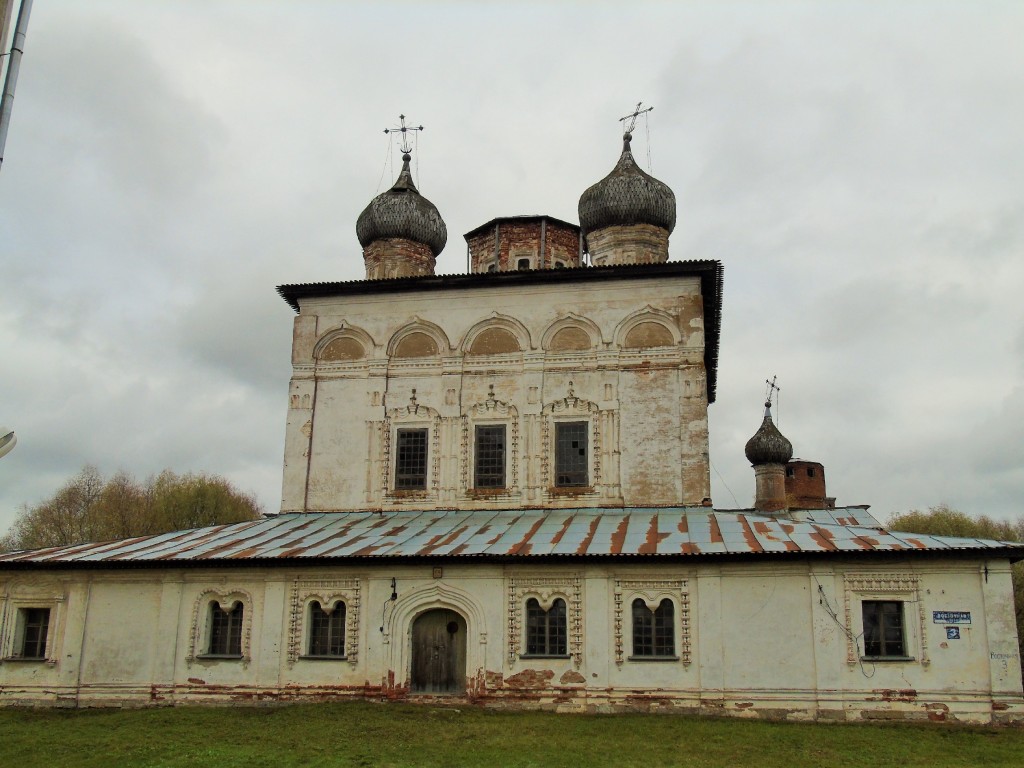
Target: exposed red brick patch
<point>530,678</point>
<point>572,677</point>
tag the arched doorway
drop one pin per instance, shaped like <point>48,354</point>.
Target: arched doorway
<point>439,652</point>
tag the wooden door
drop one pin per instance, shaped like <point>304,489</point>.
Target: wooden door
<point>439,652</point>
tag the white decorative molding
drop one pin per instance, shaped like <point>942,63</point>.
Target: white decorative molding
<point>652,592</point>
<point>23,593</point>
<point>344,330</point>
<point>565,409</point>
<point>326,592</point>
<point>546,588</point>
<point>490,411</point>
<point>572,320</point>
<point>505,322</point>
<point>648,314</point>
<point>427,328</point>
<point>199,633</point>
<point>904,585</point>
<point>412,415</point>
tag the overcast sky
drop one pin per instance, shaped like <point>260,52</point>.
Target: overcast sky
<point>858,168</point>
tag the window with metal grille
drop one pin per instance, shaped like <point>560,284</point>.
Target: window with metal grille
<point>883,629</point>
<point>327,630</point>
<point>546,630</point>
<point>654,631</point>
<point>570,453</point>
<point>226,630</point>
<point>35,623</point>
<point>411,460</point>
<point>489,457</point>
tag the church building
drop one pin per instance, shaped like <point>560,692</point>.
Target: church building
<point>496,490</point>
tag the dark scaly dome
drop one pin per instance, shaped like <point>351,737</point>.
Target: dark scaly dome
<point>402,212</point>
<point>768,445</point>
<point>627,196</point>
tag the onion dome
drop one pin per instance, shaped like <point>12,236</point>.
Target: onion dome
<point>402,212</point>
<point>768,445</point>
<point>627,196</point>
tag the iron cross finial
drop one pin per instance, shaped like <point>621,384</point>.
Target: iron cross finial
<point>404,130</point>
<point>632,117</point>
<point>771,391</point>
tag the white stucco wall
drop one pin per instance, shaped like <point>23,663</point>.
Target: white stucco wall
<point>647,406</point>
<point>752,638</point>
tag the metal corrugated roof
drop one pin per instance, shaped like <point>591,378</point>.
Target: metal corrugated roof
<point>512,534</point>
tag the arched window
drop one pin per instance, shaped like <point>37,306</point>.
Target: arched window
<point>327,629</point>
<point>546,630</point>
<point>226,629</point>
<point>654,631</point>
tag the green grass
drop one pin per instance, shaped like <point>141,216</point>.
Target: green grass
<point>360,734</point>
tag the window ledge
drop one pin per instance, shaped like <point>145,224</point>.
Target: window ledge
<point>897,659</point>
<point>653,658</point>
<point>570,490</point>
<point>28,659</point>
<point>545,656</point>
<point>323,658</point>
<point>221,656</point>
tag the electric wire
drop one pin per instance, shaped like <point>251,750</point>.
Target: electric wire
<point>847,632</point>
<point>387,159</point>
<point>734,499</point>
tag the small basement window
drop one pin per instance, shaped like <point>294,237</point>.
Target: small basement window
<point>523,264</point>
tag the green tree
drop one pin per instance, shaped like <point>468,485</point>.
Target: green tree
<point>89,507</point>
<point>944,521</point>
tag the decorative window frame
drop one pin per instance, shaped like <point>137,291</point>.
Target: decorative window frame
<point>412,416</point>
<point>490,412</point>
<point>571,408</point>
<point>199,635</point>
<point>21,595</point>
<point>326,592</point>
<point>546,588</point>
<point>652,592</point>
<point>904,587</point>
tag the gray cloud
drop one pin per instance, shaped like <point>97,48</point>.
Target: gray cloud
<point>855,167</point>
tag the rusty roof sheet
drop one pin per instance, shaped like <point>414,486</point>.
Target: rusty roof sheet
<point>511,534</point>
